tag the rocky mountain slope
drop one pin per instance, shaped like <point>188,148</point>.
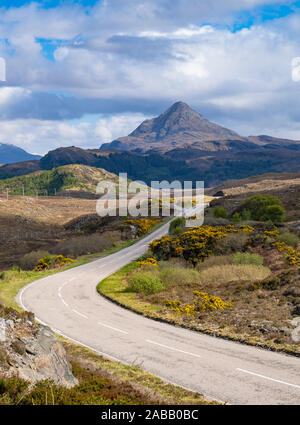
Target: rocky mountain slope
<point>11,154</point>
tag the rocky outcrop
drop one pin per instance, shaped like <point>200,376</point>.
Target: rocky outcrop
<point>30,351</point>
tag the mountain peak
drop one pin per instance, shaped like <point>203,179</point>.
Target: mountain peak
<point>178,126</point>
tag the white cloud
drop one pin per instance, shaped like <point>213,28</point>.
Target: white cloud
<point>39,137</point>
<point>147,53</point>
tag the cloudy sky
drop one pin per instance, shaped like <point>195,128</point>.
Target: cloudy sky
<point>85,72</point>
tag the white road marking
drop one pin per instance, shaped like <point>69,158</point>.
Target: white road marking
<point>111,327</point>
<point>174,349</point>
<point>270,379</point>
<point>79,314</point>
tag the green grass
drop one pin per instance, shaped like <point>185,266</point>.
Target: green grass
<point>114,288</point>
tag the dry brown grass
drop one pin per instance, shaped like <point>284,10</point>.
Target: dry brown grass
<point>234,272</point>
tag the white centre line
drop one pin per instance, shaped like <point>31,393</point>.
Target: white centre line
<point>79,314</point>
<point>270,379</point>
<point>114,329</point>
<point>174,349</point>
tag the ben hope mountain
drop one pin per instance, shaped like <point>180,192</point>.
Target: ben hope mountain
<point>180,144</point>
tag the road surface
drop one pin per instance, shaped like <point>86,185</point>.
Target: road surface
<point>226,371</point>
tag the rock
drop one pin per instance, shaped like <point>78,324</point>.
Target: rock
<point>32,352</point>
<point>296,311</point>
<point>10,323</point>
<point>2,330</point>
<point>48,360</point>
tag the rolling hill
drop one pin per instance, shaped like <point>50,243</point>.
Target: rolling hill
<point>71,178</point>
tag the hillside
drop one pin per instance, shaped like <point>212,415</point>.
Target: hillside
<point>285,186</point>
<point>10,154</point>
<point>73,177</point>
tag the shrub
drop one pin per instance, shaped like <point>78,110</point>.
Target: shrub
<point>246,215</point>
<point>202,303</point>
<point>144,225</point>
<point>220,212</point>
<point>177,226</point>
<point>274,213</point>
<point>289,238</point>
<point>236,218</point>
<point>29,261</point>
<point>234,272</point>
<point>148,262</point>
<point>248,258</point>
<point>231,243</point>
<point>145,282</point>
<point>51,261</point>
<point>264,208</point>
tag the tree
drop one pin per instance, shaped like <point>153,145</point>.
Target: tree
<point>274,213</point>
<point>220,212</point>
<point>246,214</point>
<point>236,218</point>
<point>263,208</point>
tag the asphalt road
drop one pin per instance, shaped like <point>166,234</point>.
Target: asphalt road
<point>226,371</point>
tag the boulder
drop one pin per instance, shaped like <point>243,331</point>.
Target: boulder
<point>32,352</point>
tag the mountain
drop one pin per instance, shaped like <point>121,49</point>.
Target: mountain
<point>181,145</point>
<point>75,178</point>
<point>10,154</point>
<point>181,127</point>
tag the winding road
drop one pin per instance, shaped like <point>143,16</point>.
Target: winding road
<point>222,370</point>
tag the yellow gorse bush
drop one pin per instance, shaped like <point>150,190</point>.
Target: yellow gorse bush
<point>195,244</point>
<point>52,261</point>
<point>144,225</point>
<point>202,303</point>
<point>148,262</point>
<point>291,254</point>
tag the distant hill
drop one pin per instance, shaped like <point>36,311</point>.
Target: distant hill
<point>181,127</point>
<point>71,178</point>
<point>10,154</point>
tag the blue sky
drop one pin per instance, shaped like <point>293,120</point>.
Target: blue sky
<point>84,72</point>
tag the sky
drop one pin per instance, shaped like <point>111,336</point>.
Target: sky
<point>84,72</point>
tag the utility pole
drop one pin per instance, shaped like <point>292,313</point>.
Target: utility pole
<point>46,192</point>
<point>7,193</point>
<point>23,190</point>
<point>55,191</point>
